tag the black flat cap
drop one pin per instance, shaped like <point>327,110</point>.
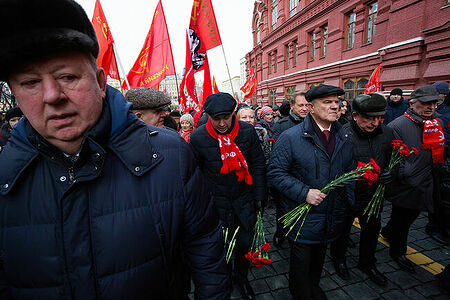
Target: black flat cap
<point>219,104</point>
<point>33,29</point>
<point>425,93</point>
<point>372,105</point>
<point>322,91</point>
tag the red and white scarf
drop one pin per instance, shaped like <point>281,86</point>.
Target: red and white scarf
<point>433,138</point>
<point>232,157</point>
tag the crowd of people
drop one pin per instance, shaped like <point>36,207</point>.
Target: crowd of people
<point>105,196</point>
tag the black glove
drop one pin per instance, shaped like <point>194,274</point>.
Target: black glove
<point>386,177</point>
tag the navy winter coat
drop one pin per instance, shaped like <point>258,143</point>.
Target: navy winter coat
<point>299,162</point>
<point>285,124</point>
<point>395,109</point>
<point>121,223</point>
<point>230,196</point>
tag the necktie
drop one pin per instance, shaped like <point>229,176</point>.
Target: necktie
<point>327,133</point>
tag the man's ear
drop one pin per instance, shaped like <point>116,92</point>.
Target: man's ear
<point>101,79</point>
<point>138,114</point>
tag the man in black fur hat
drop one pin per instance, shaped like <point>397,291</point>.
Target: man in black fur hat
<point>94,203</point>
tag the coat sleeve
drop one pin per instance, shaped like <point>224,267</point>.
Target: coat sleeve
<point>277,130</point>
<point>202,239</point>
<point>279,174</point>
<point>257,168</point>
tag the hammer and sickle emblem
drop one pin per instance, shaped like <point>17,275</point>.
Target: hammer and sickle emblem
<point>227,141</point>
<point>104,27</point>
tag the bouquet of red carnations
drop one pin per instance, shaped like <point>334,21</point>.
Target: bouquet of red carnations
<point>399,152</point>
<point>367,171</point>
<point>258,254</point>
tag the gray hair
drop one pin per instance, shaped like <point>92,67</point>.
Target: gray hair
<point>296,94</point>
<point>242,109</point>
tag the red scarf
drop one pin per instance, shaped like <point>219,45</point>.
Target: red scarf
<point>186,134</point>
<point>232,158</point>
<point>433,138</point>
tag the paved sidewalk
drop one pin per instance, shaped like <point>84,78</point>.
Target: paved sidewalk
<point>271,282</point>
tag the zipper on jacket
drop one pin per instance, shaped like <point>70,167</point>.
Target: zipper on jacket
<point>66,267</point>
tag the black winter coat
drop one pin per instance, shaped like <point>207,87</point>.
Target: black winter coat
<point>284,124</point>
<point>395,109</point>
<point>413,187</point>
<point>230,196</point>
<point>376,145</point>
<point>298,163</point>
<point>117,224</point>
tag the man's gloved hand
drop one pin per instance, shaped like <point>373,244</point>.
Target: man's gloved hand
<point>386,177</point>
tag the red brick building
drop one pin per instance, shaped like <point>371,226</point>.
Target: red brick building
<point>340,42</point>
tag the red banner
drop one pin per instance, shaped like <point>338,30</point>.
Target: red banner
<point>374,81</point>
<point>106,57</point>
<point>207,86</point>
<point>215,88</point>
<point>155,61</point>
<point>250,85</point>
<point>188,78</point>
<point>203,32</point>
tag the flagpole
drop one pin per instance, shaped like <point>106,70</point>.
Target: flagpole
<point>229,76</point>
<point>121,67</point>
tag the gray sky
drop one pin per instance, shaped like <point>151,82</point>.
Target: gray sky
<point>130,21</point>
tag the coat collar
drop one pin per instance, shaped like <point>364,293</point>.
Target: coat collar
<point>117,130</point>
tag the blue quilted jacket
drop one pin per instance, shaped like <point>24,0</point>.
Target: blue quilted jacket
<point>123,222</point>
<point>298,163</point>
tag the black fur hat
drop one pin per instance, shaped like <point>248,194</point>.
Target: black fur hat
<point>37,28</point>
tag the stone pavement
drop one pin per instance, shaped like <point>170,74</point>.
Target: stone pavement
<point>271,282</point>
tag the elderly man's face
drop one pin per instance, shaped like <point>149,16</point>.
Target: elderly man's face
<point>300,108</point>
<point>152,117</point>
<point>325,110</point>
<point>222,123</point>
<point>424,109</point>
<point>366,123</point>
<point>61,97</point>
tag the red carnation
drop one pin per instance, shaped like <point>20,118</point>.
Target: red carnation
<point>376,168</point>
<point>414,150</point>
<point>404,152</point>
<point>265,247</point>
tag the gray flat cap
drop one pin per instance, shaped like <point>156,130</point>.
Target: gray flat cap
<point>147,98</point>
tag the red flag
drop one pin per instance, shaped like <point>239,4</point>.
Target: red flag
<point>188,78</point>
<point>106,58</point>
<point>203,32</point>
<point>155,60</point>
<point>250,85</point>
<point>207,86</point>
<point>374,81</point>
<point>215,88</point>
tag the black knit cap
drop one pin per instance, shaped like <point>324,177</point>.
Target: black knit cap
<point>14,112</point>
<point>32,29</point>
<point>322,91</point>
<point>219,104</point>
<point>396,91</point>
<point>372,105</point>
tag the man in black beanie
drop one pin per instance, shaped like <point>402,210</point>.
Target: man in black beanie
<point>396,106</point>
<point>12,116</point>
<point>94,203</point>
<point>230,155</point>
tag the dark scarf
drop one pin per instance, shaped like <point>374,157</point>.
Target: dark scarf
<point>328,144</point>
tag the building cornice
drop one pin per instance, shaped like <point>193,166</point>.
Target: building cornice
<point>418,39</point>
